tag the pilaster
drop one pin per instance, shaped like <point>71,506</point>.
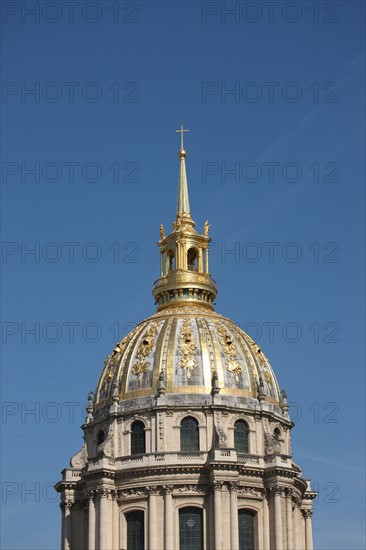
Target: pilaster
<point>152,533</point>
<point>217,487</point>
<point>265,517</point>
<point>168,518</point>
<point>234,529</point>
<point>91,521</point>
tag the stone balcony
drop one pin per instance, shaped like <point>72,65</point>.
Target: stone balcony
<point>178,459</point>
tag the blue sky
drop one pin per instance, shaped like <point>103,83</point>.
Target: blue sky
<point>273,97</point>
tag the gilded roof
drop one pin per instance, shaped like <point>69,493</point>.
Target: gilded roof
<point>186,346</point>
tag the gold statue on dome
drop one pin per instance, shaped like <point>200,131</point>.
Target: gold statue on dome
<point>206,228</point>
<point>162,232</point>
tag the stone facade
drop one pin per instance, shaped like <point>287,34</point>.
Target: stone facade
<point>106,482</point>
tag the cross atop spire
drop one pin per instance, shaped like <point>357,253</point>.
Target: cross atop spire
<point>183,208</point>
<point>181,132</point>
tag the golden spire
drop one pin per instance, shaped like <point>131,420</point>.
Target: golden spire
<point>183,209</point>
<point>184,273</point>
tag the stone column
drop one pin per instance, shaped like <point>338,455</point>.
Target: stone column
<point>152,534</point>
<point>84,511</point>
<point>289,520</point>
<point>115,535</point>
<point>182,255</point>
<point>205,259</point>
<point>62,506</point>
<point>308,529</point>
<point>266,539</point>
<point>91,521</point>
<point>161,264</point>
<point>200,260</point>
<point>66,531</point>
<point>168,518</point>
<point>217,485</point>
<point>104,520</point>
<point>297,527</point>
<point>278,517</point>
<point>79,530</point>
<point>234,528</point>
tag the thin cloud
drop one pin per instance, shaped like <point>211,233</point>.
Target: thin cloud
<point>340,465</point>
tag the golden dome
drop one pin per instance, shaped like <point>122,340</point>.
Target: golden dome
<point>187,349</point>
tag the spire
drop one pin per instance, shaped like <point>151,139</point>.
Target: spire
<point>184,274</point>
<point>183,208</point>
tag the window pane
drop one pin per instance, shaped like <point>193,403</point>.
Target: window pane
<point>189,435</point>
<point>246,530</point>
<point>135,531</point>
<point>190,529</point>
<point>137,438</point>
<point>241,443</point>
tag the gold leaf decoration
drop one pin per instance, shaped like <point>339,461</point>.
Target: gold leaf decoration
<point>187,348</point>
<point>114,358</point>
<point>230,350</point>
<point>145,348</point>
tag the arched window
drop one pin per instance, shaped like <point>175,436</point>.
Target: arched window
<point>171,261</point>
<point>135,530</point>
<point>189,434</point>
<point>246,520</point>
<point>190,529</point>
<point>241,436</point>
<point>192,261</point>
<point>101,437</point>
<point>138,438</point>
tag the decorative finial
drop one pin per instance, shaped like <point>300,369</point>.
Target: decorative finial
<point>261,394</point>
<point>115,395</point>
<point>206,228</point>
<point>284,402</point>
<point>161,385</point>
<point>215,384</point>
<point>182,152</point>
<point>162,232</point>
<point>90,408</point>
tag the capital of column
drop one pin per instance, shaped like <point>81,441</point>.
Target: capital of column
<point>103,492</point>
<point>233,487</point>
<point>66,504</point>
<point>217,485</point>
<point>288,492</point>
<point>277,490</point>
<point>114,494</point>
<point>168,489</point>
<point>152,490</point>
<point>307,513</point>
<point>296,501</point>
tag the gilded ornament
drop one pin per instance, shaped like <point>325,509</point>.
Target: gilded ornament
<point>206,228</point>
<point>162,232</point>
<point>145,348</point>
<point>229,348</point>
<point>187,348</point>
<point>113,359</point>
